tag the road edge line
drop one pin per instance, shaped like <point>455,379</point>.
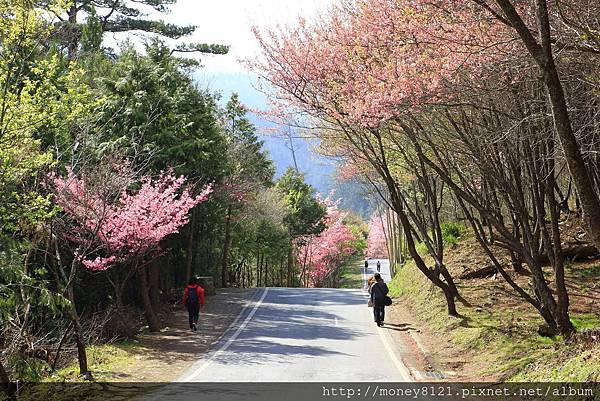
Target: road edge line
<point>237,318</point>
<point>400,366</point>
<point>425,351</point>
<point>233,337</point>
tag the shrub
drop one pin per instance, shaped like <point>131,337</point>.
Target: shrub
<point>451,232</point>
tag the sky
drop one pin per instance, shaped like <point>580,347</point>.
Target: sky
<point>229,22</point>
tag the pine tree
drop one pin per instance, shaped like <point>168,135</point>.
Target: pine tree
<point>122,16</point>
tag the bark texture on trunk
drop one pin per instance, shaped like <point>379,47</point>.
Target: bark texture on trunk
<point>190,251</point>
<point>78,334</point>
<point>154,287</point>
<point>4,379</point>
<point>151,317</point>
<point>541,51</point>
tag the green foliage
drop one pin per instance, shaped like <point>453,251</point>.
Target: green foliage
<point>585,321</point>
<point>360,230</point>
<point>154,113</point>
<point>28,370</point>
<point>451,232</point>
<point>91,34</point>
<point>305,215</point>
<point>83,22</point>
<point>421,248</point>
<point>39,95</point>
<point>249,166</point>
<point>351,275</point>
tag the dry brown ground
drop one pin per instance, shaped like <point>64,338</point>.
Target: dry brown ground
<point>163,356</point>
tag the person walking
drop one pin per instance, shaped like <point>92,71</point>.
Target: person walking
<point>370,283</point>
<point>366,265</point>
<point>378,291</point>
<point>378,266</point>
<point>193,299</point>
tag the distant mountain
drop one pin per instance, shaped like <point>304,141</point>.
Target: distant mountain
<point>318,169</point>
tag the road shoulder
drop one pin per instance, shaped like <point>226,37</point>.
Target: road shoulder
<point>164,356</point>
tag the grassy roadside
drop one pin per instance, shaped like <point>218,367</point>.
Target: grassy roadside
<point>350,274</point>
<point>497,336</point>
<point>108,362</point>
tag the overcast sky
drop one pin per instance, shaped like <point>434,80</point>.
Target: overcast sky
<point>229,22</point>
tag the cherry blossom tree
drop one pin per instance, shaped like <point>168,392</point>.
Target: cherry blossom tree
<point>322,255</point>
<point>368,61</point>
<point>125,229</point>
<point>377,243</point>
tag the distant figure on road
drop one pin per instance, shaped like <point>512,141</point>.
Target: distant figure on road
<point>193,299</point>
<point>378,266</point>
<point>366,265</point>
<point>378,292</point>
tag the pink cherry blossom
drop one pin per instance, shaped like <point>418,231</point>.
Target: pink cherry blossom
<point>323,254</point>
<point>377,239</point>
<point>130,227</point>
<point>366,62</point>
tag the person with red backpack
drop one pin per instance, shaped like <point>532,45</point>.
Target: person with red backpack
<point>193,299</point>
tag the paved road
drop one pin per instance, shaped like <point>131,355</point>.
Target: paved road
<point>301,334</point>
<point>372,269</point>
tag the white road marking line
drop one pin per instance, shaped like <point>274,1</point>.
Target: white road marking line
<point>235,335</point>
<point>404,373</point>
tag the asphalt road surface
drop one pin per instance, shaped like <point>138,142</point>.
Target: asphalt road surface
<point>302,335</point>
<point>297,336</point>
<point>372,269</point>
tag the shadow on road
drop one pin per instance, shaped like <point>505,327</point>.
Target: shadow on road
<point>405,328</point>
<point>318,296</point>
<point>295,323</point>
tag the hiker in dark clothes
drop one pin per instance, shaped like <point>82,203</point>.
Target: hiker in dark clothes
<point>378,292</point>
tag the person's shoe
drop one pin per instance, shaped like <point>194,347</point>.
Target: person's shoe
<point>194,327</point>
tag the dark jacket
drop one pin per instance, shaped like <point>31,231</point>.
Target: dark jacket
<point>378,292</point>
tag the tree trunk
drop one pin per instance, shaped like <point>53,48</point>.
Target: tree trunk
<point>290,261</point>
<point>449,280</point>
<point>151,317</point>
<point>78,333</point>
<point>119,290</point>
<point>226,245</point>
<point>258,270</point>
<point>60,345</point>
<point>419,262</point>
<point>73,34</point>
<point>451,304</point>
<point>4,379</point>
<point>190,249</point>
<point>154,273</point>
<point>543,55</point>
<point>562,307</point>
<point>590,204</point>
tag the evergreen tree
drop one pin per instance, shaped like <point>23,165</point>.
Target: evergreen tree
<point>122,16</point>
